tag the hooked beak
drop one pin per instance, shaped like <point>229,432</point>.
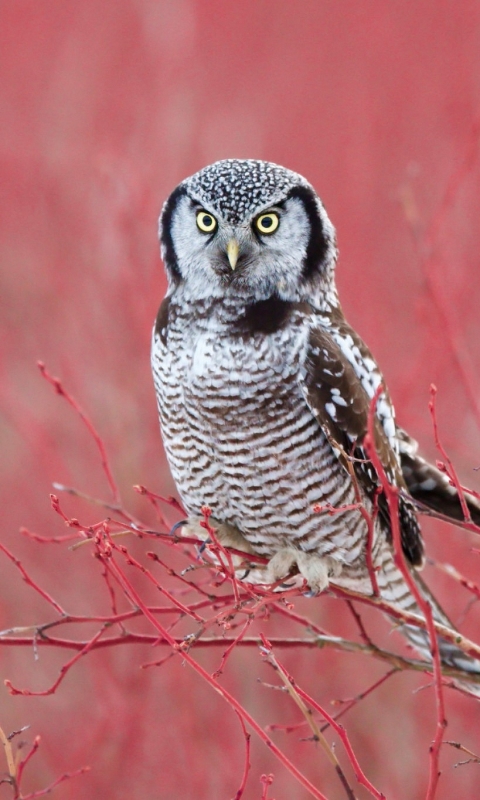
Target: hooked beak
<point>232,253</point>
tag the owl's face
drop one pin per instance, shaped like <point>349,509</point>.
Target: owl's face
<point>246,227</point>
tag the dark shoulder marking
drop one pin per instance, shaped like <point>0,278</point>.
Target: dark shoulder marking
<point>161,323</point>
<point>268,316</point>
<point>317,245</point>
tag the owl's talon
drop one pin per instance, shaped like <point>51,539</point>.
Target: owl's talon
<point>178,525</point>
<point>317,570</point>
<point>227,535</point>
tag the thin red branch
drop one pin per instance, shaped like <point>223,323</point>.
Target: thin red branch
<point>429,512</point>
<point>23,763</point>
<point>457,576</point>
<point>408,618</point>
<point>16,770</point>
<point>65,777</point>
<point>339,729</point>
<point>155,505</point>
<point>220,551</point>
<point>68,537</point>
<point>232,645</point>
<point>391,494</point>
<point>160,663</point>
<point>333,642</point>
<point>194,586</point>
<point>346,705</point>
<point>370,519</point>
<point>63,671</point>
<point>361,627</point>
<point>152,496</point>
<point>29,581</point>
<point>318,737</point>
<point>266,781</point>
<point>246,769</point>
<point>58,386</point>
<point>328,508</point>
<point>355,700</point>
<point>447,466</point>
<point>176,603</point>
<point>111,619</point>
<point>342,733</point>
<point>471,492</point>
<point>293,615</point>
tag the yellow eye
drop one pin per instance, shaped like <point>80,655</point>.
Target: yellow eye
<point>206,222</point>
<point>267,223</point>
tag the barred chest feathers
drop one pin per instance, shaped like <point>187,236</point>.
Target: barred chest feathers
<point>238,433</point>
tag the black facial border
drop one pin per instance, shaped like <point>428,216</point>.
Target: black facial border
<point>170,255</point>
<point>318,243</point>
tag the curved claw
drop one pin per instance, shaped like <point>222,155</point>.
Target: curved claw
<point>177,526</point>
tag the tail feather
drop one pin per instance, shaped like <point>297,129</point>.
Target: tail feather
<point>430,487</point>
<point>395,590</point>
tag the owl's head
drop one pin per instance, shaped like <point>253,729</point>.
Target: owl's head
<point>247,227</point>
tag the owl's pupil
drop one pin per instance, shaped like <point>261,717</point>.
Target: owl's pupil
<point>267,222</point>
<point>207,221</point>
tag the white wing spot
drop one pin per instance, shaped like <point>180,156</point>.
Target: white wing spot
<point>330,409</point>
<point>428,484</point>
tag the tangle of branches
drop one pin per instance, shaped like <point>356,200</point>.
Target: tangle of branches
<point>203,604</point>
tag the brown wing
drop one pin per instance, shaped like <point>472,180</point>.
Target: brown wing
<point>339,401</point>
<point>429,486</point>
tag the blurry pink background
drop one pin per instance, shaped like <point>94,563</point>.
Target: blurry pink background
<point>104,108</point>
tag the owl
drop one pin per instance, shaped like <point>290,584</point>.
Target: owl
<point>264,392</point>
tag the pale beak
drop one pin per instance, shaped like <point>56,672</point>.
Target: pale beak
<point>232,253</point>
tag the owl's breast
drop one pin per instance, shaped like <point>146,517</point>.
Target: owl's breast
<point>216,388</point>
<point>217,362</point>
<point>240,438</point>
<point>228,374</point>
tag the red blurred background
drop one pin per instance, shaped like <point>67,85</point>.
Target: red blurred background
<point>104,108</point>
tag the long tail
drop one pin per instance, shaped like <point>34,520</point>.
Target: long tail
<point>395,590</point>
